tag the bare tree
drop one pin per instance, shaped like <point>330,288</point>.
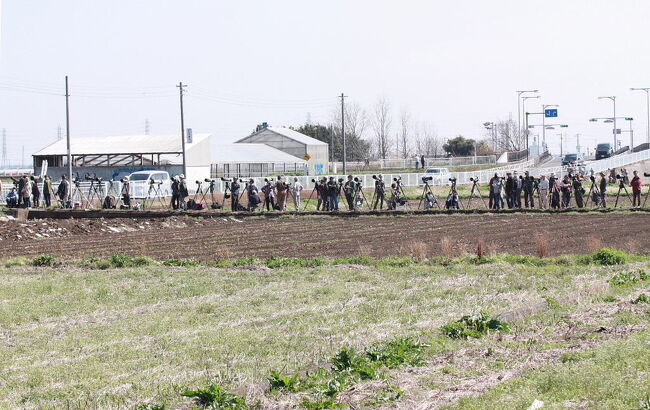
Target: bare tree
<point>508,139</point>
<point>381,125</point>
<point>405,134</point>
<point>426,140</point>
<point>356,122</point>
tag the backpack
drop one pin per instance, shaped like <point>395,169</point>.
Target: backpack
<point>199,206</point>
<point>191,204</point>
<point>109,202</point>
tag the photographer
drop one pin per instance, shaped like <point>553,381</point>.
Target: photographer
<point>578,191</point>
<point>281,188</point>
<point>565,188</point>
<point>380,192</point>
<point>269,195</point>
<point>182,192</point>
<point>126,191</point>
<point>36,192</point>
<point>26,192</point>
<point>510,190</point>
<point>47,191</point>
<point>176,182</point>
<point>63,190</point>
<point>253,195</point>
<point>519,182</point>
<point>543,188</point>
<point>321,193</point>
<point>297,190</point>
<point>602,187</point>
<point>528,188</point>
<point>637,186</point>
<point>333,189</point>
<point>235,190</point>
<point>348,190</point>
<point>496,185</point>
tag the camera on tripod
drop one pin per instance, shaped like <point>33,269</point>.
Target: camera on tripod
<point>356,179</point>
<point>620,176</point>
<point>312,180</point>
<point>452,180</point>
<point>427,179</point>
<point>92,177</point>
<point>271,180</point>
<point>645,174</point>
<point>198,182</point>
<point>210,181</point>
<point>473,179</point>
<point>398,180</point>
<point>341,180</point>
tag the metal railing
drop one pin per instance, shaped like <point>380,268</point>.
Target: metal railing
<point>410,163</point>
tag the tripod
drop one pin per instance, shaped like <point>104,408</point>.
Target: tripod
<point>594,192</point>
<point>359,197</point>
<point>95,191</point>
<point>212,201</point>
<point>400,191</point>
<point>621,187</point>
<point>452,193</point>
<point>475,193</point>
<point>646,197</point>
<point>155,192</point>
<point>428,198</point>
<point>313,191</point>
<point>76,192</point>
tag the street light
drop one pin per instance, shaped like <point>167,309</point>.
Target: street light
<point>613,98</point>
<point>544,107</point>
<point>519,94</point>
<point>647,105</point>
<point>492,127</point>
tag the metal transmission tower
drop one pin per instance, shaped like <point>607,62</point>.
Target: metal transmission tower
<point>4,148</point>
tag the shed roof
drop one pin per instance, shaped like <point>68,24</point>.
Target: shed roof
<point>250,153</point>
<point>125,144</point>
<point>291,134</point>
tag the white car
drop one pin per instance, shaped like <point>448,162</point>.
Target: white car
<point>142,181</point>
<point>440,175</point>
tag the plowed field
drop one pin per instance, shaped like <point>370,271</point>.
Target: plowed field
<point>205,239</point>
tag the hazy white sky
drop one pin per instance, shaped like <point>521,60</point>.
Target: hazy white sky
<point>454,64</point>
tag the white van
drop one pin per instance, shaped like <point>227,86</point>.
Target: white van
<point>141,181</point>
<point>440,175</point>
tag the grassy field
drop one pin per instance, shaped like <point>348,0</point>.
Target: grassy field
<point>92,335</point>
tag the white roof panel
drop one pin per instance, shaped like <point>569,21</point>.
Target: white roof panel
<point>291,134</point>
<point>126,144</point>
<point>250,153</point>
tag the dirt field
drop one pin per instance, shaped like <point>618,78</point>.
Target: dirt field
<point>205,239</point>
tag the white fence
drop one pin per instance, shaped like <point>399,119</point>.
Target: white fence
<point>410,163</point>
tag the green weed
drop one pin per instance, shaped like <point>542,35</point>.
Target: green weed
<point>641,299</point>
<point>403,351</point>
<point>473,326</point>
<point>216,397</point>
<point>348,360</point>
<point>286,383</point>
<point>45,260</point>
<point>628,278</point>
<point>184,263</point>
<point>608,256</point>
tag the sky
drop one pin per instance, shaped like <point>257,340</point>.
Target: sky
<point>454,65</point>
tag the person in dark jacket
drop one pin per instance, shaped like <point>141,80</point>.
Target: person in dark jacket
<point>235,188</point>
<point>47,191</point>
<point>348,190</point>
<point>637,186</point>
<point>510,190</point>
<point>36,192</point>
<point>63,190</point>
<point>528,188</point>
<point>602,187</point>
<point>182,191</point>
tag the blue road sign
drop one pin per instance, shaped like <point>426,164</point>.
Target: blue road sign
<point>550,112</point>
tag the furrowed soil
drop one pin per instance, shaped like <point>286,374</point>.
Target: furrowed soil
<point>435,235</point>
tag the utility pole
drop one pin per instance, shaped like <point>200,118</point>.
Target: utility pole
<point>342,96</point>
<point>561,145</point>
<point>647,107</point>
<point>67,136</point>
<point>180,91</point>
<point>22,160</point>
<point>331,148</point>
<point>146,126</point>
<point>4,148</point>
<point>578,143</point>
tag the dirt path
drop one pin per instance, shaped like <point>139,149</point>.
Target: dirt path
<point>205,239</point>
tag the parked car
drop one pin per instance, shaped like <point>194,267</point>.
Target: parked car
<point>440,175</point>
<point>141,181</point>
<point>575,159</point>
<point>604,150</point>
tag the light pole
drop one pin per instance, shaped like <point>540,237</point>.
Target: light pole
<point>492,127</point>
<point>613,98</point>
<point>544,107</point>
<point>561,144</point>
<point>647,106</point>
<point>519,94</point>
<point>523,105</point>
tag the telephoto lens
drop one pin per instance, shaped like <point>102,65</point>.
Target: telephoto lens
<point>374,177</point>
<point>645,174</point>
<point>452,179</point>
<point>425,179</point>
<point>313,180</point>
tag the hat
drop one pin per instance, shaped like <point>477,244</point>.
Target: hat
<point>126,178</point>
<point>181,176</point>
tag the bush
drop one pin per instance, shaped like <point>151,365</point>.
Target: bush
<point>628,278</point>
<point>120,260</point>
<point>473,326</point>
<point>185,263</point>
<point>641,299</point>
<point>216,397</point>
<point>44,260</point>
<point>608,256</point>
<point>404,351</point>
<point>280,262</point>
<point>348,360</point>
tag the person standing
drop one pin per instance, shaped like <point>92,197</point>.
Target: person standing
<point>47,191</point>
<point>565,187</point>
<point>36,192</point>
<point>175,192</point>
<point>543,187</point>
<point>348,190</point>
<point>269,195</point>
<point>422,162</point>
<point>380,192</point>
<point>26,192</point>
<point>495,187</point>
<point>510,190</point>
<point>333,189</point>
<point>602,187</point>
<point>126,191</point>
<point>281,189</point>
<point>578,191</point>
<point>235,189</point>
<point>63,190</point>
<point>182,192</point>
<point>527,187</point>
<point>297,190</point>
<point>637,186</point>
<point>519,182</point>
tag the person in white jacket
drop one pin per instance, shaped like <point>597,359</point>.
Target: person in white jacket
<point>297,189</point>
